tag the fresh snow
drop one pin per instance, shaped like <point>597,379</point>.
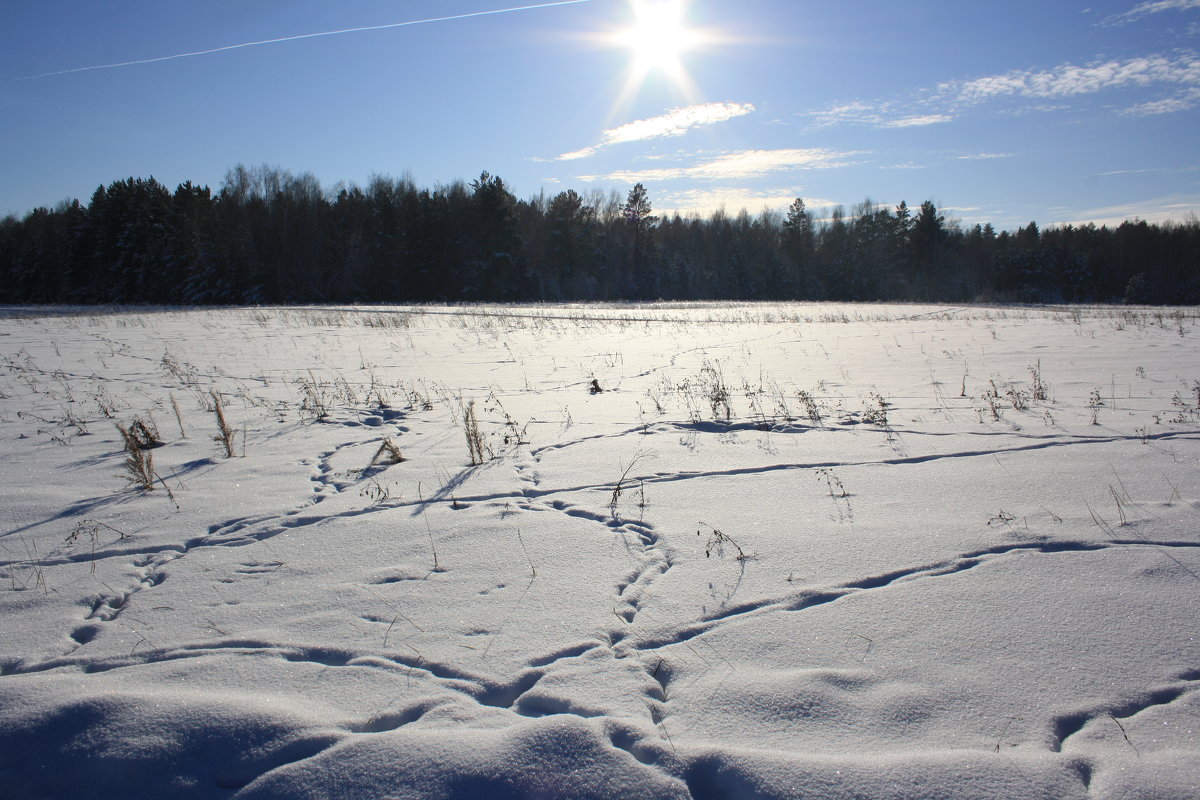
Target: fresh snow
<point>788,551</point>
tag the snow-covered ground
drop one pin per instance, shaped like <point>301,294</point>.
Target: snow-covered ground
<point>786,551</point>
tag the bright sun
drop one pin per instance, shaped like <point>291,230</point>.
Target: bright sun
<point>659,36</point>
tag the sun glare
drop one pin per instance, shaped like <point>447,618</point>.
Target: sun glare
<point>659,35</point>
<point>657,40</point>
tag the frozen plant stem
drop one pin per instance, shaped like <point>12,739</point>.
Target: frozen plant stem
<point>1175,496</point>
<point>832,483</point>
<point>428,530</point>
<point>224,433</point>
<point>1039,390</point>
<point>532,568</point>
<point>1123,733</point>
<point>1007,725</point>
<point>1120,507</point>
<point>620,487</point>
<point>433,547</point>
<point>474,437</point>
<point>1101,523</point>
<point>91,529</point>
<point>178,417</point>
<point>1094,404</point>
<point>716,542</point>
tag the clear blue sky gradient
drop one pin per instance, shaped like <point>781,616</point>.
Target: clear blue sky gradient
<point>1056,112</point>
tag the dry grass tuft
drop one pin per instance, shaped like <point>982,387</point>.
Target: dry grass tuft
<point>387,454</point>
<point>475,444</point>
<point>140,438</point>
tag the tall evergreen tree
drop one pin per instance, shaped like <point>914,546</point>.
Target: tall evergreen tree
<point>640,221</point>
<point>498,270</point>
<point>128,222</point>
<point>571,226</point>
<point>927,238</point>
<point>800,246</point>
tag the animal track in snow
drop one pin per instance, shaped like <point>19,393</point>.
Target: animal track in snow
<point>631,592</point>
<point>85,633</point>
<point>811,598</point>
<point>147,569</point>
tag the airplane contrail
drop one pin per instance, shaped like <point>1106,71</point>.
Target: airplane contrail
<point>295,38</point>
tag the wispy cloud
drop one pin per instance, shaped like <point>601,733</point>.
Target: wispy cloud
<point>1172,208</point>
<point>1182,101</point>
<point>736,166</point>
<point>675,122</point>
<point>706,202</point>
<point>1149,8</point>
<point>917,121</point>
<point>1125,172</point>
<point>878,115</point>
<point>1176,76</point>
<point>907,165</point>
<point>1150,170</point>
<point>931,160</point>
<point>1069,80</point>
<point>983,156</point>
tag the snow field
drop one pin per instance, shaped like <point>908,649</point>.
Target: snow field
<point>787,551</point>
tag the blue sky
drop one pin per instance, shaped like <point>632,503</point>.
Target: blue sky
<point>1056,112</point>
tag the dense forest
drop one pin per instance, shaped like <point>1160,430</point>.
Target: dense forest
<point>269,236</point>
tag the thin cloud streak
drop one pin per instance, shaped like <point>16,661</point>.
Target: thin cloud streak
<point>1169,170</point>
<point>706,202</point>
<point>879,115</point>
<point>675,122</point>
<point>1184,101</point>
<point>736,166</point>
<point>918,121</point>
<point>1148,8</point>
<point>298,37</point>
<point>1172,208</point>
<point>984,156</point>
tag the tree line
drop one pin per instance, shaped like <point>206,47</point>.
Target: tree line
<point>269,236</point>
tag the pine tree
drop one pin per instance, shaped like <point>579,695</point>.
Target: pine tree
<point>640,221</point>
<point>194,264</point>
<point>570,228</point>
<point>799,244</point>
<point>497,252</point>
<point>926,240</point>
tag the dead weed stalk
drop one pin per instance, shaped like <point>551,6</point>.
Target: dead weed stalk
<point>224,435</point>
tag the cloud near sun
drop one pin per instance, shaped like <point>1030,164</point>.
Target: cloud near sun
<point>675,122</point>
